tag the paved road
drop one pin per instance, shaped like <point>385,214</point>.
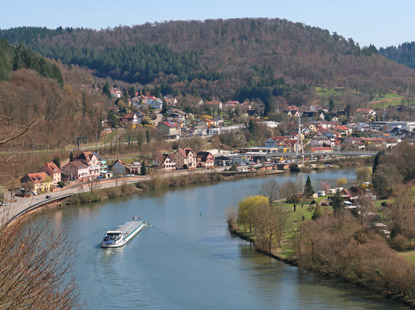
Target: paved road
<point>14,210</point>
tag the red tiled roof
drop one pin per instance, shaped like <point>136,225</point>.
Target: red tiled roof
<point>37,177</point>
<point>170,124</point>
<point>52,167</point>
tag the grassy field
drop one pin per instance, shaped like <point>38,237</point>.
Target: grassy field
<point>385,101</point>
<point>409,256</point>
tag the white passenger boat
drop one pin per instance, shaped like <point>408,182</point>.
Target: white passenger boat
<point>119,237</point>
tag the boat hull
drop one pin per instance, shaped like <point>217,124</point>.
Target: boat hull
<point>126,237</point>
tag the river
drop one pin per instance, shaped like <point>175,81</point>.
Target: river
<point>188,261</point>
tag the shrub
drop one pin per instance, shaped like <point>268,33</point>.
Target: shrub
<point>400,243</point>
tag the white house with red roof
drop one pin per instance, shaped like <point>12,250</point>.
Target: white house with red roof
<point>130,118</point>
<point>53,171</point>
<point>115,92</point>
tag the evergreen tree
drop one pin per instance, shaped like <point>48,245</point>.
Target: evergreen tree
<point>71,156</point>
<point>106,89</point>
<point>318,212</point>
<point>337,202</point>
<point>251,127</point>
<point>143,170</point>
<point>57,161</point>
<point>376,160</point>
<point>331,105</point>
<point>308,188</point>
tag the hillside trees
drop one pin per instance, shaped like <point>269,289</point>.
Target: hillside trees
<point>35,263</point>
<point>223,58</point>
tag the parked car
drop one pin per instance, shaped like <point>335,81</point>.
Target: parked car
<point>48,196</point>
<point>5,203</point>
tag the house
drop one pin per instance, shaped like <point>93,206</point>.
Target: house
<point>352,193</point>
<point>155,103</point>
<point>313,115</point>
<point>93,163</point>
<point>205,159</point>
<point>115,92</point>
<point>169,129</point>
<point>176,115</point>
<point>215,104</point>
<point>76,170</point>
<point>170,100</point>
<point>135,167</point>
<point>216,121</point>
<point>185,158</point>
<point>366,113</point>
<point>130,118</point>
<point>292,111</point>
<point>119,168</point>
<point>164,162</point>
<point>253,113</point>
<point>320,141</point>
<point>275,141</point>
<point>344,131</point>
<point>53,171</point>
<point>103,171</point>
<point>38,182</point>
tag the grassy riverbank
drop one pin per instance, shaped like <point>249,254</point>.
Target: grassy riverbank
<point>342,246</point>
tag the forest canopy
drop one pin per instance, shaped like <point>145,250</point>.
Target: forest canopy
<point>225,58</point>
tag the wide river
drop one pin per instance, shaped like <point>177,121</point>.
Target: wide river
<point>188,261</point>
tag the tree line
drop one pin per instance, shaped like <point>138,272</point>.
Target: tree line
<point>15,58</point>
<point>223,58</point>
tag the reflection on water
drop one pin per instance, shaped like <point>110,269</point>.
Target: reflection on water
<point>187,261</point>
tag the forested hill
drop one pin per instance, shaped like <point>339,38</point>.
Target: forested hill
<point>403,54</point>
<point>15,58</point>
<point>236,57</point>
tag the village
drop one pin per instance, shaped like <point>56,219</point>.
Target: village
<point>308,140</point>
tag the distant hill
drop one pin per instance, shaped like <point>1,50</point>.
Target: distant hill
<point>15,58</point>
<point>235,58</point>
<point>403,54</point>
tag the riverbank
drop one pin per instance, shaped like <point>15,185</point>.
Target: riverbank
<point>339,248</point>
<point>109,189</point>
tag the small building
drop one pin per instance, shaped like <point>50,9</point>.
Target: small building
<point>119,168</point>
<point>169,129</point>
<point>135,167</point>
<point>130,118</point>
<point>223,161</point>
<point>205,159</point>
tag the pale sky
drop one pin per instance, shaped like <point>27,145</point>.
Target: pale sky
<point>379,22</point>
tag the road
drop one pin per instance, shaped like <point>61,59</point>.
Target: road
<point>23,205</point>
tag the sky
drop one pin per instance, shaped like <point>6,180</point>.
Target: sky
<point>378,22</point>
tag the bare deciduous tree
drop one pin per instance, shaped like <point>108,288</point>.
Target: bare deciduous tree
<point>270,189</point>
<point>291,191</point>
